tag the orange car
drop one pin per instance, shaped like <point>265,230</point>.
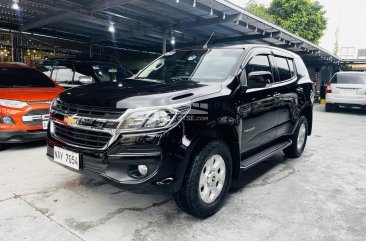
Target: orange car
<point>25,98</point>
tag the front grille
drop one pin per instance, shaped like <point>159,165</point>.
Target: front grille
<point>87,111</point>
<point>34,117</point>
<point>81,137</point>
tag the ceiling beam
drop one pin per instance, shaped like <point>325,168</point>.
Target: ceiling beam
<point>231,40</point>
<point>105,4</point>
<point>46,21</point>
<point>67,12</point>
<point>210,21</point>
<point>169,22</point>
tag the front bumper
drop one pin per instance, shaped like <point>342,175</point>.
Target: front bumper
<point>118,163</point>
<point>21,136</point>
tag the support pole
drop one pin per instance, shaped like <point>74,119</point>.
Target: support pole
<point>21,48</point>
<point>12,48</point>
<point>164,43</point>
<point>91,51</point>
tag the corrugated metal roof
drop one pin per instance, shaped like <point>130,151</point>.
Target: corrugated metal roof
<point>142,25</point>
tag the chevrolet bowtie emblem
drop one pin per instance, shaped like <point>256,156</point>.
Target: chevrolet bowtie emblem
<point>70,120</point>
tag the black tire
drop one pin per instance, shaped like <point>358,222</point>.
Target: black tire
<point>294,150</point>
<point>188,198</point>
<point>328,107</point>
<point>363,108</point>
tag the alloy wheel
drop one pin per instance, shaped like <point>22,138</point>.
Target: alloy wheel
<point>212,179</point>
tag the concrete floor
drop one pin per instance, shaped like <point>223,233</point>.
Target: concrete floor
<point>320,196</point>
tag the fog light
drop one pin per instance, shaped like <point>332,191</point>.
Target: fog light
<point>142,169</point>
<point>6,120</point>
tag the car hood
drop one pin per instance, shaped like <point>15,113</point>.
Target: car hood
<point>30,94</point>
<point>134,93</point>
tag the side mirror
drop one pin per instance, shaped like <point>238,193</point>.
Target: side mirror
<point>259,79</point>
<point>86,80</point>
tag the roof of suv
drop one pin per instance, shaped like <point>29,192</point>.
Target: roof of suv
<point>351,72</point>
<point>251,46</point>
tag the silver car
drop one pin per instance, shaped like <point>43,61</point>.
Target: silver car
<point>346,89</point>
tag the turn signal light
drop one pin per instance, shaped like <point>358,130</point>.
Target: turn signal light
<point>329,88</point>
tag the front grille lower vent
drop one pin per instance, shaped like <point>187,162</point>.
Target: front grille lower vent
<point>35,117</point>
<point>88,111</point>
<point>81,137</point>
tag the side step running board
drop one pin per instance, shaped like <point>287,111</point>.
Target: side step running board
<point>256,158</point>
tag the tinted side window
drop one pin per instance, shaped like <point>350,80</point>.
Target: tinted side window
<point>334,79</point>
<point>62,75</point>
<point>283,68</point>
<point>258,63</point>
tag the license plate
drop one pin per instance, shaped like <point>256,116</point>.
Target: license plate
<point>44,125</point>
<point>66,157</point>
<point>45,119</point>
<point>348,90</point>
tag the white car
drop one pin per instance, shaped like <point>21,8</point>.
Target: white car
<point>346,89</point>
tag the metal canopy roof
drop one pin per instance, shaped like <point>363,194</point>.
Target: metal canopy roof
<point>146,24</point>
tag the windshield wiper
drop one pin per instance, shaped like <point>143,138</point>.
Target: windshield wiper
<point>147,79</point>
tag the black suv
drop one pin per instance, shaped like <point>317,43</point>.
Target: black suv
<point>188,123</point>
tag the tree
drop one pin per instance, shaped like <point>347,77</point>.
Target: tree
<point>259,10</point>
<point>301,17</point>
<point>304,18</point>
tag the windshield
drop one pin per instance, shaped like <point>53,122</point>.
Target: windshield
<point>213,65</point>
<point>23,78</point>
<point>109,73</point>
<point>352,78</point>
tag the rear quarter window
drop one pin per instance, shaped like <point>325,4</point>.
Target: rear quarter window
<point>349,78</point>
<point>301,68</point>
<point>283,68</point>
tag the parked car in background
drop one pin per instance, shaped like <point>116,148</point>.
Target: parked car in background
<point>73,72</point>
<point>25,98</point>
<point>188,123</point>
<point>346,89</point>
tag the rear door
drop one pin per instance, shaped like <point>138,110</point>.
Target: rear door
<point>286,91</point>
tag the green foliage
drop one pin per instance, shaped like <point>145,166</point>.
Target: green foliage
<point>346,67</point>
<point>304,18</point>
<point>259,10</point>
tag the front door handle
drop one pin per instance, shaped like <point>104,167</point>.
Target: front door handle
<point>276,95</point>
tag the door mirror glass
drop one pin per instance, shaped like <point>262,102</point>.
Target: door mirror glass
<point>259,79</point>
<point>86,80</point>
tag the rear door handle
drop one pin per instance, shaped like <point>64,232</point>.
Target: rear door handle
<point>276,95</point>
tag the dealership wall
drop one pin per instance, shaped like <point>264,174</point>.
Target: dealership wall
<point>321,74</point>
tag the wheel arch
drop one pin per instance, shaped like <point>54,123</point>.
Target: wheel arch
<point>224,132</point>
<point>308,113</point>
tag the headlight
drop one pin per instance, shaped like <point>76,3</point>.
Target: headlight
<point>153,119</point>
<point>13,103</point>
